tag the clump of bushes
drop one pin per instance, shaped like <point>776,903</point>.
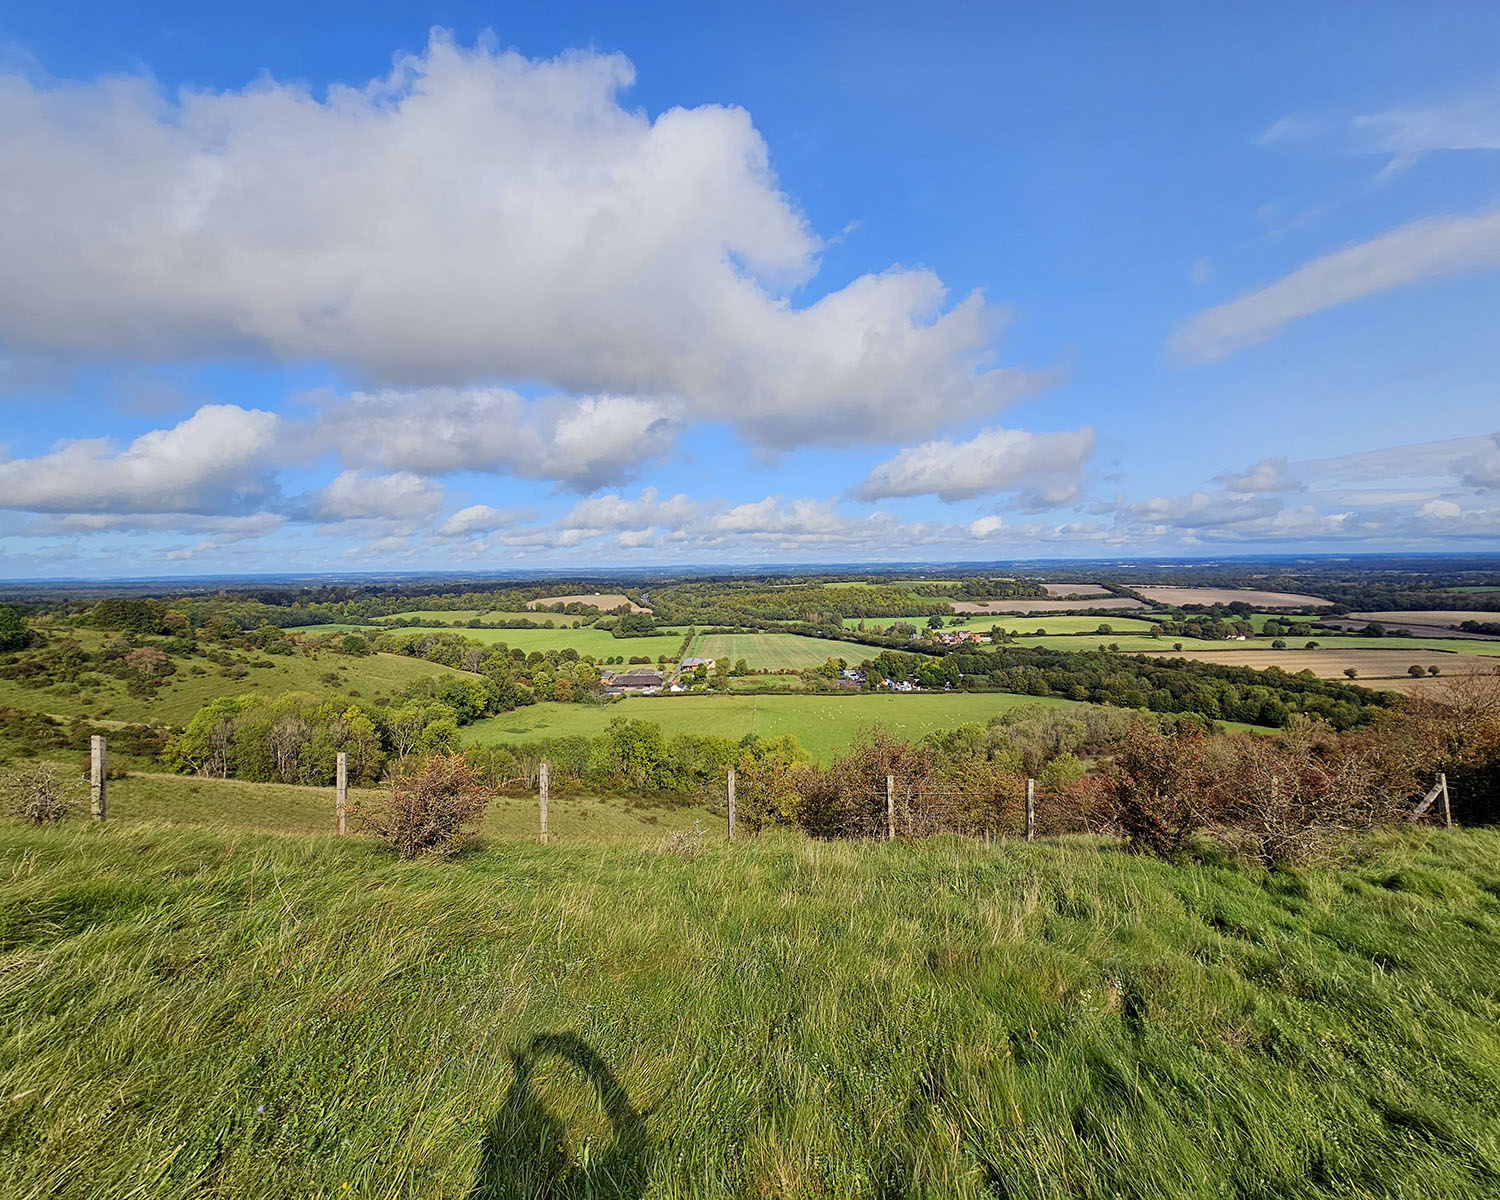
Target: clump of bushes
<point>435,809</point>
<point>1272,800</point>
<point>34,795</point>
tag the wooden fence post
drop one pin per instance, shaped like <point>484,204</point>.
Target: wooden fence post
<point>731,804</point>
<point>1439,788</point>
<point>1447,811</point>
<point>890,808</point>
<point>98,786</point>
<point>542,779</point>
<point>341,792</point>
<point>1031,810</point>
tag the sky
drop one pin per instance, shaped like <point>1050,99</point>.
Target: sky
<point>343,287</point>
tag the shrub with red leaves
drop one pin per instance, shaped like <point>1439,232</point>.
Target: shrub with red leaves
<point>1160,787</point>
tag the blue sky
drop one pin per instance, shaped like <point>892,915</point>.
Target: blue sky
<point>341,287</point>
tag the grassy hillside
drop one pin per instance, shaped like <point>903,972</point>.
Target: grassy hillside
<point>825,723</point>
<point>189,1013</point>
<point>228,804</point>
<point>183,693</point>
<point>588,640</point>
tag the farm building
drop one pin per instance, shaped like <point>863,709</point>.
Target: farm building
<point>638,679</point>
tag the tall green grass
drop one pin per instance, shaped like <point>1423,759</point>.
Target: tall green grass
<point>212,1013</point>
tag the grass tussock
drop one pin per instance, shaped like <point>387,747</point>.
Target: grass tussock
<point>191,1012</point>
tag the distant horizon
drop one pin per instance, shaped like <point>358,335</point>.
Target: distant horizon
<point>1488,562</point>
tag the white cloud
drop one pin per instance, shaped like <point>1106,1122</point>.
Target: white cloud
<point>994,460</point>
<point>476,518</point>
<point>473,216</point>
<point>1268,475</point>
<point>1481,468</point>
<point>1466,123</point>
<point>1440,509</point>
<point>584,443</point>
<point>214,461</point>
<point>354,496</point>
<point>1469,124</point>
<point>1200,510</point>
<point>1413,252</point>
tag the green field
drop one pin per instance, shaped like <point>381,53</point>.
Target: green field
<point>588,640</point>
<point>151,797</point>
<point>457,616</point>
<point>195,1013</point>
<point>332,627</point>
<point>775,651</point>
<point>184,693</point>
<point>985,622</point>
<point>825,723</point>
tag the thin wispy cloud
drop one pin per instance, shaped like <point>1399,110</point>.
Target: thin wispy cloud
<point>1423,249</point>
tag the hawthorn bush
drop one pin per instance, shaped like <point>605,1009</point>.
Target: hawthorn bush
<point>34,795</point>
<point>1161,788</point>
<point>434,809</point>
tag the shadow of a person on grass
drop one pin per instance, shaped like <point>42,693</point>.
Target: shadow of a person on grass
<point>525,1151</point>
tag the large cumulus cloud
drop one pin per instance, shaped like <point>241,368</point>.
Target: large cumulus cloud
<point>472,217</point>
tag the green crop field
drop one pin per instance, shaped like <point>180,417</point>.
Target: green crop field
<point>824,723</point>
<point>183,693</point>
<point>588,640</point>
<point>333,627</point>
<point>193,1013</point>
<point>775,651</point>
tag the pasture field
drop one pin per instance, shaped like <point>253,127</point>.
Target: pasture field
<point>1473,589</point>
<point>332,627</point>
<point>586,640</point>
<point>1431,616</point>
<point>1258,620</point>
<point>600,600</point>
<point>229,804</point>
<point>449,616</point>
<point>757,683</point>
<point>824,723</point>
<point>1035,607</point>
<point>182,694</point>
<point>457,616</point>
<point>196,1012</point>
<point>1054,624</point>
<point>774,651</point>
<point>1212,595</point>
